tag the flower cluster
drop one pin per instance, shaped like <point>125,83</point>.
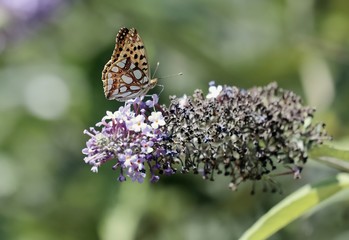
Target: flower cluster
<point>244,134</point>
<point>130,136</point>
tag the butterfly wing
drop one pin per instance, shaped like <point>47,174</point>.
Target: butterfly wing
<point>119,45</point>
<point>126,75</point>
<point>134,48</point>
<point>125,81</point>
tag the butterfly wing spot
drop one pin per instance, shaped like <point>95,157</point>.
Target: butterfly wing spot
<point>123,89</point>
<point>110,84</point>
<point>122,63</point>
<point>115,69</point>
<point>132,66</point>
<point>126,95</point>
<point>138,74</point>
<point>126,79</point>
<point>134,88</point>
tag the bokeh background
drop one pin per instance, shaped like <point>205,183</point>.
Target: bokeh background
<point>52,53</point>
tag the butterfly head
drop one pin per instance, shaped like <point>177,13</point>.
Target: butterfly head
<point>153,83</point>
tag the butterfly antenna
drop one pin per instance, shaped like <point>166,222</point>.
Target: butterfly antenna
<point>162,86</point>
<point>173,75</point>
<point>156,69</point>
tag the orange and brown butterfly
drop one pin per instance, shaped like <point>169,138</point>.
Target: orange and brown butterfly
<point>127,75</point>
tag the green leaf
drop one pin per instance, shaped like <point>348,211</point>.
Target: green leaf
<point>332,157</point>
<point>295,205</point>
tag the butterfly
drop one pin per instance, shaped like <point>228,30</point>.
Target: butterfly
<point>126,75</point>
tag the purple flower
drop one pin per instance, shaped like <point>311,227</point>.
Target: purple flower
<point>121,178</point>
<point>128,136</point>
<point>153,102</point>
<point>154,179</point>
<point>136,124</point>
<point>147,146</point>
<point>136,175</point>
<point>156,119</point>
<point>212,83</point>
<point>127,159</point>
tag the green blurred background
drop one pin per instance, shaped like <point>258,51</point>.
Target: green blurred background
<point>52,53</point>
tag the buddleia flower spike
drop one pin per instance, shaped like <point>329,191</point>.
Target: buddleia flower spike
<point>246,135</point>
<point>127,75</point>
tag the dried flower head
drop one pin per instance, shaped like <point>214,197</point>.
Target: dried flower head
<point>244,134</point>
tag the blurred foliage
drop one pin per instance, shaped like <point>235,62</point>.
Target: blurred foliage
<point>52,53</point>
